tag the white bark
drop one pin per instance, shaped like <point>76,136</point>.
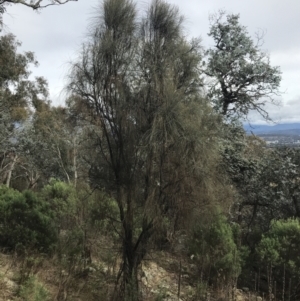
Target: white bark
<point>10,170</point>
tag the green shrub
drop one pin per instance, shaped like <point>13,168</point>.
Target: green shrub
<point>213,247</point>
<point>280,245</point>
<point>33,290</point>
<point>25,221</point>
<point>63,200</point>
<point>279,250</point>
<point>79,206</point>
<point>102,210</point>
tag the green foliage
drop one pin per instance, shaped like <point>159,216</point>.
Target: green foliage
<point>16,91</point>
<point>103,213</point>
<point>278,252</point>
<point>65,203</point>
<point>33,290</point>
<point>212,243</point>
<point>201,289</point>
<point>62,199</point>
<point>79,207</point>
<point>26,221</point>
<point>161,294</point>
<point>266,181</point>
<point>49,145</point>
<point>149,126</point>
<point>70,249</point>
<point>241,71</point>
<point>280,245</point>
<point>17,95</point>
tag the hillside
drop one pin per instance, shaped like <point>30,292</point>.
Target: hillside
<point>40,279</point>
<point>287,134</point>
<point>277,129</point>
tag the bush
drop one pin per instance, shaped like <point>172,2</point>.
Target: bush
<point>280,245</point>
<point>212,245</point>
<point>32,290</point>
<point>102,210</point>
<point>63,201</point>
<point>278,251</point>
<point>26,222</point>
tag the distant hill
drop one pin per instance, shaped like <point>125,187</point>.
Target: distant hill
<point>278,129</point>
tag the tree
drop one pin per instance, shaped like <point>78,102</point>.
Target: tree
<point>17,96</point>
<point>242,77</point>
<point>47,146</point>
<point>149,126</point>
<point>278,249</point>
<point>213,247</point>
<point>266,182</point>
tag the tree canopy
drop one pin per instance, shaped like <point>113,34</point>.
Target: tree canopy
<point>141,83</point>
<point>242,77</point>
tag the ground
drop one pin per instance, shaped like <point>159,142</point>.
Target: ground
<point>163,276</point>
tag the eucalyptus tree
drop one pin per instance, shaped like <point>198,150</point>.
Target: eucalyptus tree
<point>47,146</point>
<point>266,181</point>
<point>17,95</point>
<point>242,76</point>
<point>149,128</point>
<point>267,185</point>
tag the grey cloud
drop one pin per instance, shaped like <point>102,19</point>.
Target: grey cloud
<point>284,113</point>
<point>279,19</point>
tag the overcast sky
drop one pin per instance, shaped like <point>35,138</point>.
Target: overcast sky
<point>56,33</point>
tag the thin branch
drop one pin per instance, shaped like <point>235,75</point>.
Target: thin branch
<point>35,5</point>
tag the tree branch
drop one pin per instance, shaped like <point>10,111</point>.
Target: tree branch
<point>35,4</point>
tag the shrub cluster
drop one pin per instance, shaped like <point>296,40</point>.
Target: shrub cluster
<point>26,221</point>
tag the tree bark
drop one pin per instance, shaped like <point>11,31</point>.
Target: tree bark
<point>10,170</point>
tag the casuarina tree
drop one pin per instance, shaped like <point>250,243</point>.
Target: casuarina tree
<point>149,127</point>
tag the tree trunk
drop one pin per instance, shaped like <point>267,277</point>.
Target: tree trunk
<point>75,162</point>
<point>32,178</point>
<point>62,165</point>
<point>130,278</point>
<point>225,107</point>
<point>10,170</point>
<point>296,205</point>
<point>134,249</point>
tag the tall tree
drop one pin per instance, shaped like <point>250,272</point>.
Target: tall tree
<point>47,146</point>
<point>149,127</point>
<point>17,95</point>
<point>242,77</point>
